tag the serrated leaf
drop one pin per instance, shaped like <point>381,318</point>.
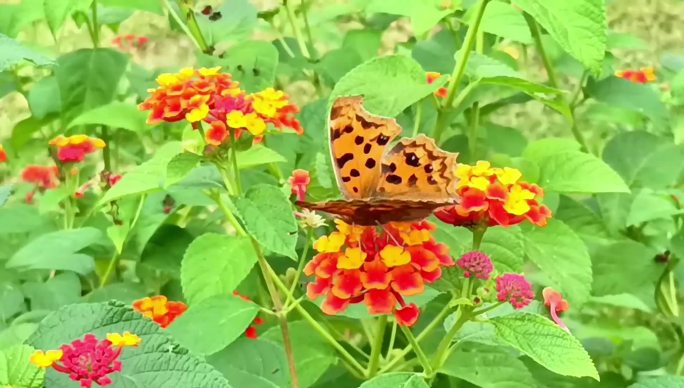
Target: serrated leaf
<point>424,14</point>
<point>116,114</point>
<point>63,289</point>
<point>13,53</point>
<point>396,380</point>
<point>563,257</point>
<point>58,251</point>
<point>57,11</point>
<point>505,247</point>
<point>212,324</point>
<point>215,264</point>
<point>503,20</point>
<point>648,206</point>
<point>546,343</point>
<point>253,363</point>
<point>389,84</point>
<point>268,217</point>
<point>157,362</point>
<point>16,371</point>
<point>238,19</point>
<point>147,177</point>
<point>88,78</point>
<point>578,26</point>
<point>487,366</point>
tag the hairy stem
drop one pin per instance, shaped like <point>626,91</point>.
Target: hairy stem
<point>376,346</point>
<point>422,358</point>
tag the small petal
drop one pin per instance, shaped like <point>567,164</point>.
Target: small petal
<point>407,315</point>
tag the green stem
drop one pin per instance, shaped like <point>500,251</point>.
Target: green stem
<point>107,150</point>
<point>309,36</point>
<point>487,309</point>
<point>96,27</point>
<point>71,183</point>
<point>234,163</point>
<point>418,116</point>
<point>295,29</point>
<point>393,336</point>
<point>443,117</point>
<point>376,346</point>
<point>300,266</point>
<point>442,352</point>
<point>193,28</point>
<point>422,358</point>
<point>180,23</point>
<point>473,130</point>
<point>478,235</point>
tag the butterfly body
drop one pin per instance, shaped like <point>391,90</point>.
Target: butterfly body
<point>383,181</point>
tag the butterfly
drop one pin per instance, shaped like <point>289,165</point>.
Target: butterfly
<point>383,182</point>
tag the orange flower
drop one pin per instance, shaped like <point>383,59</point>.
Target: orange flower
<point>43,177</point>
<point>299,182</point>
<point>641,76</point>
<point>431,77</point>
<point>556,304</point>
<point>73,149</point>
<point>494,196</point>
<point>3,154</point>
<point>377,267</point>
<point>160,309</point>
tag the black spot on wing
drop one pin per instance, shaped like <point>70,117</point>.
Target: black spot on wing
<point>364,123</point>
<point>413,179</point>
<point>346,179</point>
<point>367,148</point>
<point>412,159</point>
<point>358,140</point>
<point>382,140</point>
<point>431,180</point>
<point>393,179</point>
<point>342,160</point>
<point>370,163</point>
<point>354,172</point>
<point>428,168</point>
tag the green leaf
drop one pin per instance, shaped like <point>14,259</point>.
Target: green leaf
<point>667,381</point>
<point>158,361</point>
<point>238,19</point>
<point>88,78</point>
<point>648,206</point>
<point>563,257</point>
<point>639,156</point>
<point>389,84</point>
<point>16,371</point>
<point>153,6</point>
<point>625,267</point>
<point>180,166</point>
<point>215,264</point>
<point>212,324</point>
<point>57,11</point>
<point>19,219</point>
<point>116,114</point>
<point>254,364</point>
<point>546,343</point>
<point>574,171</point>
<point>487,366</point>
<point>268,217</point>
<point>14,17</point>
<point>258,155</point>
<point>503,20</point>
<point>44,98</point>
<point>424,14</point>
<point>396,380</point>
<point>13,53</point>
<point>58,251</point>
<point>63,289</point>
<point>253,64</point>
<point>505,247</point>
<point>578,26</point>
<point>312,355</point>
<point>147,177</point>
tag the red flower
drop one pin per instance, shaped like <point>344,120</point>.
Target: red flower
<point>641,76</point>
<point>3,154</point>
<point>514,289</point>
<point>556,304</point>
<point>476,264</point>
<point>73,149</point>
<point>431,77</point>
<point>43,177</point>
<point>160,309</point>
<point>299,181</point>
<point>378,267</point>
<point>494,196</point>
<point>89,360</point>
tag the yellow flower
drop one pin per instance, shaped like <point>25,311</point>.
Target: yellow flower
<point>43,359</point>
<point>268,101</point>
<point>208,72</point>
<point>416,237</point>
<point>197,114</point>
<point>507,175</point>
<point>482,168</point>
<point>353,259</point>
<point>394,256</point>
<point>186,73</point>
<point>236,119</point>
<point>167,79</point>
<point>330,244</point>
<point>478,182</point>
<point>255,125</point>
<point>353,232</point>
<point>123,340</point>
<point>516,203</point>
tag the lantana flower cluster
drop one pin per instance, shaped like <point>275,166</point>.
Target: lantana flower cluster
<point>642,76</point>
<point>210,96</point>
<point>73,149</point>
<point>376,266</point>
<point>494,196</point>
<point>159,309</point>
<point>89,360</point>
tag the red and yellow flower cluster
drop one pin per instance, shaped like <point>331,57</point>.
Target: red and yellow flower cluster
<point>89,360</point>
<point>641,76</point>
<point>432,76</point>
<point>160,309</point>
<point>73,149</point>
<point>380,268</point>
<point>130,42</point>
<point>213,97</point>
<point>494,196</point>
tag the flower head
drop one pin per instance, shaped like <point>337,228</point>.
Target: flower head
<point>556,304</point>
<point>376,266</point>
<point>43,177</point>
<point>73,149</point>
<point>88,360</point>
<point>309,219</point>
<point>432,76</point>
<point>641,76</point>
<point>275,108</point>
<point>160,309</point>
<point>494,196</point>
<point>3,154</point>
<point>476,264</point>
<point>299,181</point>
<point>514,289</point>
